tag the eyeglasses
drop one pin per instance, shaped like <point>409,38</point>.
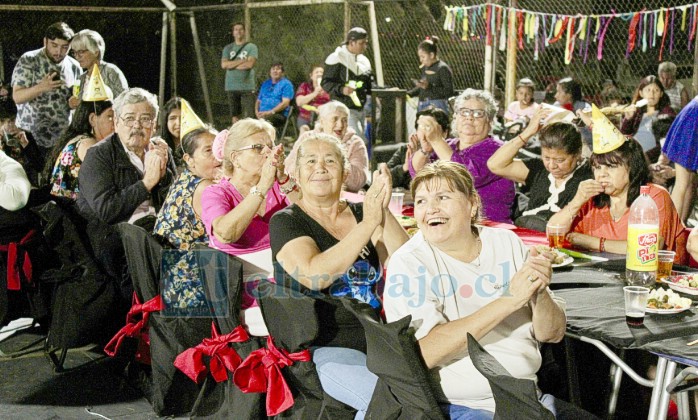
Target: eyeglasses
<point>144,121</point>
<point>77,53</point>
<point>475,113</point>
<point>259,148</point>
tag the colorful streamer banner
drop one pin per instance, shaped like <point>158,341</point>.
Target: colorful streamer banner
<point>536,30</point>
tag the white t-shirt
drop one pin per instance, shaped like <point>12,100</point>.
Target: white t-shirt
<point>14,184</point>
<point>418,284</point>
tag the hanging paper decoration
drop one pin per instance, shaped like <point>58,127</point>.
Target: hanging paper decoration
<point>646,28</point>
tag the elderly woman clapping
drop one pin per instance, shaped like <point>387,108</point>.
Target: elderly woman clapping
<point>333,119</point>
<point>475,112</point>
<point>237,210</point>
<point>323,244</point>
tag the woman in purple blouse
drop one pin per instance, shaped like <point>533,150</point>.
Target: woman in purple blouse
<point>474,113</point>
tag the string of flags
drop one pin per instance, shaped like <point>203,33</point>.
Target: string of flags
<point>646,28</point>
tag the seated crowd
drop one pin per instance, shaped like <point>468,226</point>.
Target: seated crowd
<point>285,218</point>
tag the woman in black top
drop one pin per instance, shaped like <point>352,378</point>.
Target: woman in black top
<point>324,245</point>
<point>435,85</point>
<point>551,181</point>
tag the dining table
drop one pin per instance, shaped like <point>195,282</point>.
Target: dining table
<point>592,289</point>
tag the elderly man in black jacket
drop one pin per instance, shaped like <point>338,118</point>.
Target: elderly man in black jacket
<point>124,178</point>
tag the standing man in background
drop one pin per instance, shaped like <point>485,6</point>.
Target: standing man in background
<point>42,84</point>
<point>239,59</point>
<point>347,77</point>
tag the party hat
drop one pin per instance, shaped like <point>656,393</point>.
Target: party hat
<point>188,120</point>
<point>96,90</point>
<point>606,136</point>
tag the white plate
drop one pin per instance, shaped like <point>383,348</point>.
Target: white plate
<point>680,288</point>
<point>665,311</point>
<point>567,261</point>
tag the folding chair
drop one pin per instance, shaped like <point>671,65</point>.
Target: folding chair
<point>515,398</point>
<point>403,390</point>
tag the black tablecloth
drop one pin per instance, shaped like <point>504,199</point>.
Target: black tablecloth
<point>607,273</point>
<point>599,313</point>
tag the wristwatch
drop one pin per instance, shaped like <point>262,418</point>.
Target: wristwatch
<point>255,191</point>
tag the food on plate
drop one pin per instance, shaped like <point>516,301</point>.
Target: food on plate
<point>667,299</point>
<point>685,280</point>
<point>412,231</point>
<point>407,222</point>
<point>559,256</point>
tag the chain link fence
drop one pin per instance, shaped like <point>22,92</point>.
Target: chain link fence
<point>302,35</point>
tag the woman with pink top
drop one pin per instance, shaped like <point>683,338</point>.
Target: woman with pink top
<point>237,210</point>
<point>333,119</point>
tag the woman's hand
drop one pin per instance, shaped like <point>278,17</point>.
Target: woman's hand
<point>268,175</point>
<point>277,160</point>
<point>387,180</point>
<point>629,111</point>
<point>533,278</point>
<point>534,125</point>
<point>586,190</point>
<point>412,147</point>
<point>375,198</point>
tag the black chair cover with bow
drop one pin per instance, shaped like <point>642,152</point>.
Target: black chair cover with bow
<point>514,398</point>
<point>221,277</point>
<point>294,321</point>
<point>86,306</point>
<point>172,393</point>
<point>403,390</point>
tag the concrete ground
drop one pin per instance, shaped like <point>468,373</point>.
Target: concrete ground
<point>93,387</point>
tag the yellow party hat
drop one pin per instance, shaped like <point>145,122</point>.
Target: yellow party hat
<point>96,90</point>
<point>606,136</point>
<point>188,120</point>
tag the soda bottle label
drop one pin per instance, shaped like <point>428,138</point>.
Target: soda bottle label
<point>643,242</point>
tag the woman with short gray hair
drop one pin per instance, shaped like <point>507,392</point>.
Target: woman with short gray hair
<point>88,48</point>
<point>474,114</point>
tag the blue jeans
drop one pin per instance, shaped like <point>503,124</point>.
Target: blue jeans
<point>345,377</point>
<point>562,410</point>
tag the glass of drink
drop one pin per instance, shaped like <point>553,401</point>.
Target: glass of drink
<point>556,235</point>
<point>665,261</point>
<point>635,304</point>
<point>396,201</point>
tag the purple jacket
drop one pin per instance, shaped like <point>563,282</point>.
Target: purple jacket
<point>497,193</point>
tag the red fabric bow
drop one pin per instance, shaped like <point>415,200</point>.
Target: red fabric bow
<point>14,256</point>
<point>261,371</point>
<point>136,320</point>
<point>223,357</point>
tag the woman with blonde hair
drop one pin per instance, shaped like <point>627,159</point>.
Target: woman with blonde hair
<point>237,210</point>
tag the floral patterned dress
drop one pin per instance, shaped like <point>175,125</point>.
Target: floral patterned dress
<point>64,178</point>
<point>178,224</point>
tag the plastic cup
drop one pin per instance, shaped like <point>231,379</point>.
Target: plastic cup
<point>665,262</point>
<point>395,205</point>
<point>635,304</point>
<point>556,235</point>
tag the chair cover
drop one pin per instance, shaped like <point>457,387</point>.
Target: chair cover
<point>221,277</point>
<point>514,397</point>
<point>172,393</point>
<point>86,304</point>
<point>403,390</point>
<point>294,321</point>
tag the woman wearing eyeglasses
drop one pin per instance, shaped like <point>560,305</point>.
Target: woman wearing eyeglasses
<point>88,49</point>
<point>474,114</point>
<point>237,210</point>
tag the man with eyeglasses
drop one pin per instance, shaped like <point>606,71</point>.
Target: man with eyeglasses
<point>42,82</point>
<point>124,178</point>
